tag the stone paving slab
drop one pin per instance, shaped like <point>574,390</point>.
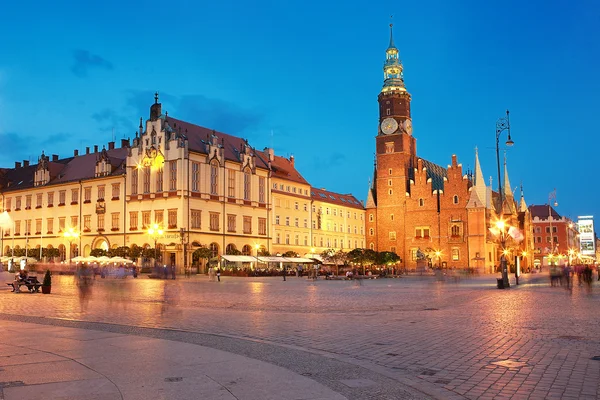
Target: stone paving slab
<point>102,365</point>
<point>465,338</point>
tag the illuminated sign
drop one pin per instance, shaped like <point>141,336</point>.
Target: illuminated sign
<point>587,242</point>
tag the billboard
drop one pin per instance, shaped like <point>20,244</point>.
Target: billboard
<point>587,241</point>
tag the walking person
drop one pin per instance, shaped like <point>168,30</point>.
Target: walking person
<point>283,272</point>
<point>219,275</point>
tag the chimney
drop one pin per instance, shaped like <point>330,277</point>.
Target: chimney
<point>17,164</point>
<point>111,145</point>
<point>54,157</point>
<point>292,160</point>
<point>87,150</point>
<point>75,153</point>
<point>25,163</point>
<point>124,143</point>
<point>271,153</point>
<point>95,148</point>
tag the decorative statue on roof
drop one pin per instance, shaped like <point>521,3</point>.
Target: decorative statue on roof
<point>42,162</point>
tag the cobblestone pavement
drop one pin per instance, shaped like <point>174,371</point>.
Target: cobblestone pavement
<point>456,338</point>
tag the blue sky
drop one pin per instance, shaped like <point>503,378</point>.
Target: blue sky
<point>303,77</point>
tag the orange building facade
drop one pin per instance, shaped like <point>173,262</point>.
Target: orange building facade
<point>428,214</point>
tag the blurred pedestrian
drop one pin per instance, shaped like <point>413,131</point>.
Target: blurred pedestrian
<point>172,271</point>
<point>283,272</point>
<point>219,275</point>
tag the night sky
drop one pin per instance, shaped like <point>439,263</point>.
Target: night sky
<point>303,77</point>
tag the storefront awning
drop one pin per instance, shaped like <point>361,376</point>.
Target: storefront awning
<point>239,258</point>
<point>272,259</point>
<point>300,260</point>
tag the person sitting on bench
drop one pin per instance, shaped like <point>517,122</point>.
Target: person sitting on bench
<point>20,278</point>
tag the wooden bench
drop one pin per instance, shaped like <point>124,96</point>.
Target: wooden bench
<point>33,287</point>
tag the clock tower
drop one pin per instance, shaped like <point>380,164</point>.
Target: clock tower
<point>395,124</point>
<point>396,158</point>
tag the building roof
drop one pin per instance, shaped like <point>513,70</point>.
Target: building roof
<point>541,211</point>
<point>64,170</point>
<point>346,200</point>
<point>198,138</point>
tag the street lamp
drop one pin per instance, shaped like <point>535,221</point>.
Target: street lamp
<point>155,232</point>
<point>551,195</point>
<point>503,124</point>
<point>70,234</point>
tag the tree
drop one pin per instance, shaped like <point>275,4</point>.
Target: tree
<point>98,252</point>
<point>50,253</point>
<point>122,251</point>
<point>201,253</point>
<point>290,253</point>
<point>233,252</point>
<point>337,258</point>
<point>386,258</point>
<point>264,252</point>
<point>135,251</point>
<point>362,257</point>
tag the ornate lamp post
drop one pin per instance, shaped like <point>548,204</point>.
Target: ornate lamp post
<point>70,234</point>
<point>503,124</point>
<point>155,232</point>
<point>551,195</point>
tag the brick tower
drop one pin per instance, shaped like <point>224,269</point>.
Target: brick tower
<point>396,150</point>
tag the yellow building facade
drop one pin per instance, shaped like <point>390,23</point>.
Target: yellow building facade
<point>201,187</point>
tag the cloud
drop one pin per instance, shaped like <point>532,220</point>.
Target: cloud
<point>217,114</point>
<point>25,147</point>
<point>84,61</point>
<point>110,119</point>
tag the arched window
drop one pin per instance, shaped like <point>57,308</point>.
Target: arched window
<point>455,230</point>
<point>214,249</point>
<point>370,217</point>
<point>421,202</point>
<point>371,232</point>
<point>372,246</point>
<point>230,249</point>
<point>455,199</point>
<point>214,177</point>
<point>247,250</point>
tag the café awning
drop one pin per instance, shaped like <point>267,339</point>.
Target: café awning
<point>238,258</point>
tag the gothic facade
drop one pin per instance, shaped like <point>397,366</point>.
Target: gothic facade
<point>416,207</point>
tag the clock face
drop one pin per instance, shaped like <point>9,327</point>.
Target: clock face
<point>389,125</point>
<point>408,126</point>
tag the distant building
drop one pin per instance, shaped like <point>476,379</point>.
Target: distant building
<point>553,235</point>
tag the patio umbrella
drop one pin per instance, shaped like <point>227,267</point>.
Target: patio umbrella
<point>121,260</point>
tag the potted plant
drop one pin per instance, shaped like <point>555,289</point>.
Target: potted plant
<point>47,283</point>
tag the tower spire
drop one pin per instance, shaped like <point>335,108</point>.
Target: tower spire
<point>393,77</point>
<point>391,33</point>
<point>479,186</point>
<point>507,189</point>
<point>522,203</point>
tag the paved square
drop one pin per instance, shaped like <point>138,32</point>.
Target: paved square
<point>461,338</point>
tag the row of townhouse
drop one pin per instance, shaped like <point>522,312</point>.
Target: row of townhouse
<point>203,188</point>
